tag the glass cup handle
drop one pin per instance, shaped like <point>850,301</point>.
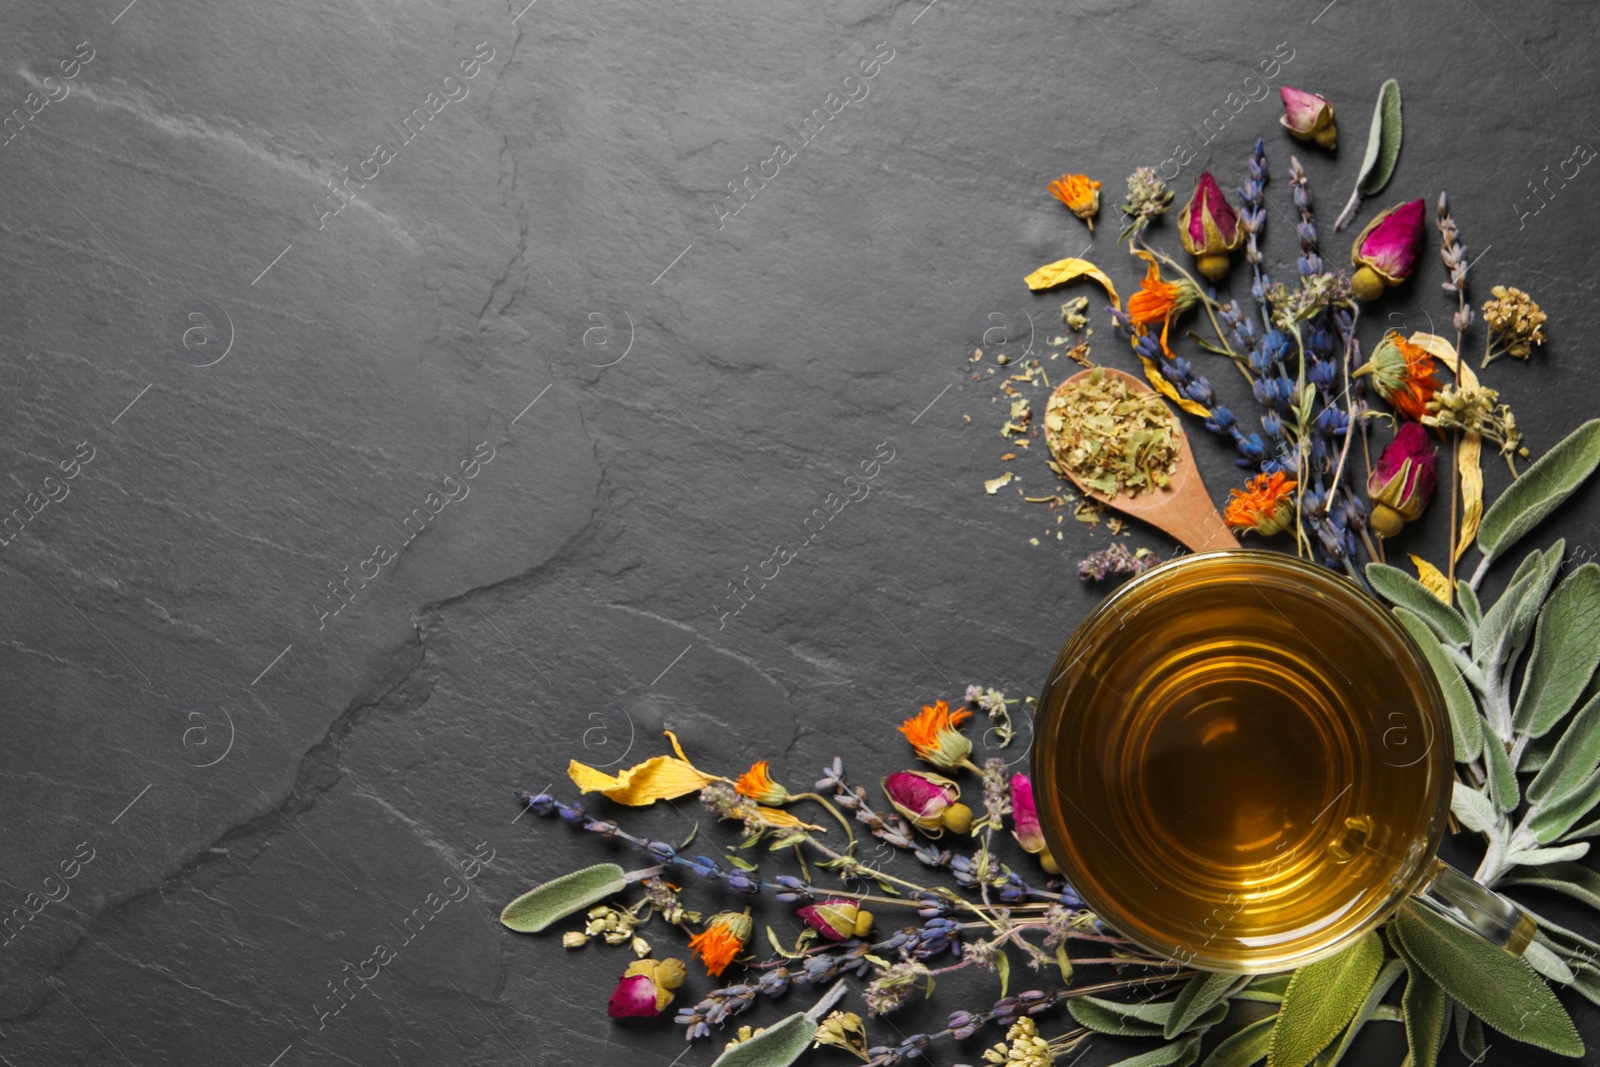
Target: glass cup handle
<point>1476,908</point>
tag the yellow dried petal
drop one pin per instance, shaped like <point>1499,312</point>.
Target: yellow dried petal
<point>1160,384</point>
<point>1469,454</point>
<point>657,778</point>
<point>1063,271</point>
<point>1431,578</point>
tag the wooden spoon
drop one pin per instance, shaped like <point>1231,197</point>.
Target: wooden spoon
<point>1183,510</point>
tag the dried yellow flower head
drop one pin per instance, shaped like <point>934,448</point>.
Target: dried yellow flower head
<point>1517,322</point>
<point>843,1029</point>
<point>1023,1047</point>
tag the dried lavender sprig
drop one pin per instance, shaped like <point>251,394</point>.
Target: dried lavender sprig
<point>786,888</point>
<point>1454,254</point>
<point>892,829</point>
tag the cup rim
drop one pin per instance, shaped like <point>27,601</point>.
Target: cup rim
<point>1340,585</point>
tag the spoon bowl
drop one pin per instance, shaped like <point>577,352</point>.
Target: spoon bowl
<point>1183,509</point>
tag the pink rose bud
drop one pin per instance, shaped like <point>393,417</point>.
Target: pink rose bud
<point>645,988</point>
<point>1386,251</point>
<point>1309,117</point>
<point>837,920</point>
<point>1024,815</point>
<point>1209,228</point>
<point>930,801</point>
<point>1025,820</point>
<point>1402,481</point>
<point>634,998</point>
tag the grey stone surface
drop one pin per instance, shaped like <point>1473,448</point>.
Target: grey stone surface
<point>268,389</point>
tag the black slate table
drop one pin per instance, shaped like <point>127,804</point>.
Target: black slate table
<point>432,372</point>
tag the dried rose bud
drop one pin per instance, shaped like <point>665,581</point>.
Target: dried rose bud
<point>1386,251</point>
<point>837,920</point>
<point>1210,228</point>
<point>930,801</point>
<point>646,988</point>
<point>1309,117</point>
<point>1025,819</point>
<point>1402,481</point>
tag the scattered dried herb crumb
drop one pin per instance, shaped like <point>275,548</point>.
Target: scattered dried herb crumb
<point>1098,566</point>
<point>1112,436</point>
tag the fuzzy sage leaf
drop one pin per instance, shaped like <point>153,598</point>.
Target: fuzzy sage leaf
<point>1465,726</point>
<point>1566,650</point>
<point>1176,1054</point>
<point>556,899</point>
<point>1383,151</point>
<point>1427,1017</point>
<point>1321,1000</point>
<point>1499,988</point>
<point>1387,977</point>
<point>1573,759</point>
<point>1555,476</point>
<point>783,1042</point>
<point>1399,588</point>
<point>1244,1047</point>
<point>1195,999</point>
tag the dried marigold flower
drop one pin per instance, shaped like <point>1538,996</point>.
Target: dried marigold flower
<point>1265,505</point>
<point>1080,194</point>
<point>935,735</point>
<point>1403,374</point>
<point>1516,320</point>
<point>758,785</point>
<point>723,938</point>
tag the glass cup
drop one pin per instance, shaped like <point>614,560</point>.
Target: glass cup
<point>1242,762</point>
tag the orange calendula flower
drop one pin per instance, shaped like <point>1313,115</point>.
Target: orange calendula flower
<point>1265,505</point>
<point>1080,194</point>
<point>722,939</point>
<point>935,735</point>
<point>758,785</point>
<point>1160,301</point>
<point>1403,374</point>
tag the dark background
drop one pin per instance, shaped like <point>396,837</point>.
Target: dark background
<point>165,615</point>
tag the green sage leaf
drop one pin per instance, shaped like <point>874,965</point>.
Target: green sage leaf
<point>1591,829</point>
<point>1466,729</point>
<point>1387,977</point>
<point>1499,988</point>
<point>1540,489</point>
<point>1476,811</point>
<point>1195,999</point>
<point>1537,752</point>
<point>1243,1047</point>
<point>1551,820</point>
<point>1573,759</point>
<point>1177,1054</point>
<point>1543,857</point>
<point>1427,1017</point>
<point>1109,1017</point>
<point>1469,1033</point>
<point>1383,150</point>
<point>777,1046</point>
<point>1399,588</point>
<point>556,899</point>
<point>1468,599</point>
<point>1383,141</point>
<point>1503,788</point>
<point>1566,650</point>
<point>1586,982</point>
<point>1548,963</point>
<point>1505,626</point>
<point>1321,1000</point>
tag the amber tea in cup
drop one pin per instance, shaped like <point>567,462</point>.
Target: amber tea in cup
<point>1242,761</point>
